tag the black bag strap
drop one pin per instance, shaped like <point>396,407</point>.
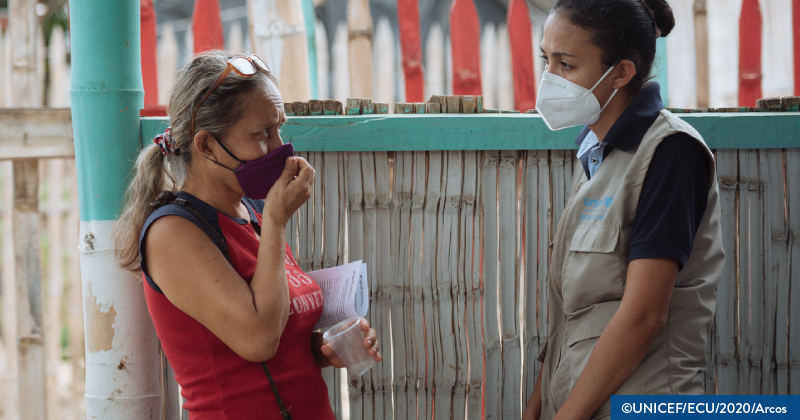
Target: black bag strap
<point>168,197</point>
<point>284,411</point>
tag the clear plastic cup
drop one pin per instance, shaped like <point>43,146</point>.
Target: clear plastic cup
<point>347,340</point>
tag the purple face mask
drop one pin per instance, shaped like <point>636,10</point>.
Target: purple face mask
<point>256,177</point>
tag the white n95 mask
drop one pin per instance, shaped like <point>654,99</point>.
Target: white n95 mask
<point>564,104</point>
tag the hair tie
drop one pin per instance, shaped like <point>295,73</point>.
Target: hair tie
<point>164,197</point>
<point>167,144</point>
<point>653,18</point>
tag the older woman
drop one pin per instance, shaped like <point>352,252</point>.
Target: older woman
<point>219,276</point>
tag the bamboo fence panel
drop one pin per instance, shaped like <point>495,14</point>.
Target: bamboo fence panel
<point>544,215</point>
<point>382,279</point>
<point>743,272</point>
<point>56,215</point>
<point>333,249</point>
<point>471,231</point>
<point>490,285</point>
<point>10,402</point>
<point>373,377</point>
<point>725,328</point>
<point>74,311</point>
<point>427,354</point>
<point>446,390</point>
<point>509,284</point>
<point>530,338</point>
<point>792,186</point>
<point>355,207</point>
<point>52,170</point>
<point>400,312</point>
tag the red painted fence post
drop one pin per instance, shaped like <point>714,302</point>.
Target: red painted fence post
<point>465,39</point>
<point>520,37</point>
<point>750,53</point>
<point>149,65</point>
<point>207,26</point>
<point>408,18</point>
<point>796,36</point>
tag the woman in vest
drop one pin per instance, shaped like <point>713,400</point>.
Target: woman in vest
<point>637,254</point>
<point>233,310</point>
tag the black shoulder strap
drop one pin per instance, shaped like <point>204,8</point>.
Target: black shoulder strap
<point>211,231</point>
<point>166,198</point>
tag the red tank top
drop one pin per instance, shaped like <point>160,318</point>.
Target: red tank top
<point>216,382</point>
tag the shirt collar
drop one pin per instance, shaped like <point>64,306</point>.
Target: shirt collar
<point>629,129</point>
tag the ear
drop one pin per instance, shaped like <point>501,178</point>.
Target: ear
<point>202,140</point>
<point>626,71</point>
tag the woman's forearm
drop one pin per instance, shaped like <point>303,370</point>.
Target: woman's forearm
<point>618,352</point>
<point>269,286</point>
<point>533,411</point>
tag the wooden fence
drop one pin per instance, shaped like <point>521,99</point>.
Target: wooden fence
<point>456,233</point>
<point>57,208</point>
<point>456,242</point>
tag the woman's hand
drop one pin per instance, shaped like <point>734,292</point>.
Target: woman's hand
<point>370,342</point>
<point>290,191</point>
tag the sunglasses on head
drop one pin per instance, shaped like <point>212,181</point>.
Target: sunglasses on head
<point>243,66</point>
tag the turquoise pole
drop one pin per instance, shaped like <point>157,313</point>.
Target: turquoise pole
<point>123,379</point>
<point>107,94</point>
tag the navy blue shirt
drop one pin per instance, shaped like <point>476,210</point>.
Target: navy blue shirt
<point>675,191</point>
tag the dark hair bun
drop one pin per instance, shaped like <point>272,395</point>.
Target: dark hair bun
<point>665,20</point>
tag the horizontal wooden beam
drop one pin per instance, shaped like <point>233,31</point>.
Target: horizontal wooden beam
<point>47,133</point>
<point>35,133</point>
<point>755,130</point>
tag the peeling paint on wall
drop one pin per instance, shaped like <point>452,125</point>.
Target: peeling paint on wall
<point>99,323</point>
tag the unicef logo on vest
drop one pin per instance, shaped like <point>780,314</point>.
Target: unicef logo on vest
<point>595,209</point>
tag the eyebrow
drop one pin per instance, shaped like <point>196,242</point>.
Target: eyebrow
<point>557,54</point>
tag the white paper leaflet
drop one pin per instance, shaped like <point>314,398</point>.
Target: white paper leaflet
<point>345,291</point>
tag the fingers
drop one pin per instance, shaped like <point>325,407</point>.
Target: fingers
<point>327,350</point>
<point>371,338</point>
<point>329,354</point>
<point>305,171</point>
<point>289,170</point>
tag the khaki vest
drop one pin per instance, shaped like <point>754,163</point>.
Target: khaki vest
<point>588,271</point>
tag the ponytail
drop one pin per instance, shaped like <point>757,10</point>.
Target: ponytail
<point>151,176</point>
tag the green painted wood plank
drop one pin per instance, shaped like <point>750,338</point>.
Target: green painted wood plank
<point>416,132</point>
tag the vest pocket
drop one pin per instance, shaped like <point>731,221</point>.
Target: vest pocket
<point>582,330</point>
<point>592,272</point>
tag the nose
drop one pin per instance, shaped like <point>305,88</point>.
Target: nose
<point>276,143</point>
